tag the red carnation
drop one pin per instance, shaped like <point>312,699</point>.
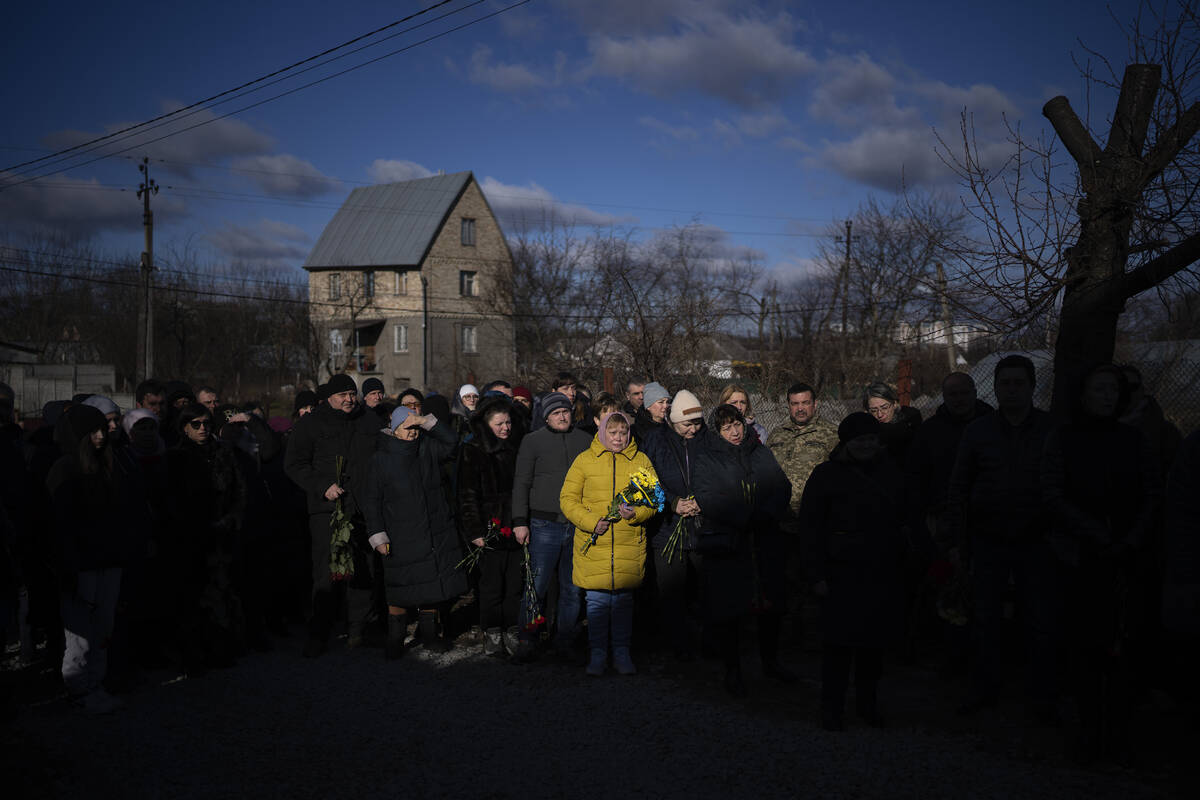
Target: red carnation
<point>506,531</point>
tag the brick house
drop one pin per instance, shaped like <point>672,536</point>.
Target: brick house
<point>407,284</point>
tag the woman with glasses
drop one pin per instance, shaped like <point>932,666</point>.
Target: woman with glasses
<point>207,493</point>
<point>898,424</point>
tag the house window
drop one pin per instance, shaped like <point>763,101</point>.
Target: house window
<point>468,232</point>
<point>469,342</point>
<point>337,343</point>
<point>467,285</point>
<point>335,286</point>
<point>401,282</point>
<point>369,283</point>
<point>399,338</point>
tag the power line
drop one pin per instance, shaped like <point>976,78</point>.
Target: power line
<point>219,95</point>
<point>272,98</point>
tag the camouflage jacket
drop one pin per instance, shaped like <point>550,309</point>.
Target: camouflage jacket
<point>798,449</point>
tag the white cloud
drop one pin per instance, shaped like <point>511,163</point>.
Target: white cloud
<point>384,170</point>
<point>500,76</point>
<point>268,243</point>
<point>286,175</point>
<point>746,61</point>
<point>886,158</point>
<point>680,133</point>
<point>533,207</point>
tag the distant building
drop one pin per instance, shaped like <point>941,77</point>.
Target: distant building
<point>410,283</point>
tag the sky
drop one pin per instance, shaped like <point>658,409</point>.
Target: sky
<point>764,122</point>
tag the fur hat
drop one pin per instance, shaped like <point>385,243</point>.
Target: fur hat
<point>304,398</point>
<point>654,392</point>
<point>685,406</point>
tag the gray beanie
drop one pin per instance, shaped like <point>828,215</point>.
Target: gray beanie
<point>554,401</point>
<point>654,392</point>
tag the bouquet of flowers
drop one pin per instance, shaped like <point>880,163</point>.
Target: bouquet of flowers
<point>532,607</point>
<point>643,490</point>
<point>674,546</point>
<point>495,532</point>
<point>341,558</point>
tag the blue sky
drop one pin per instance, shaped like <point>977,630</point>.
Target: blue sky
<point>767,121</point>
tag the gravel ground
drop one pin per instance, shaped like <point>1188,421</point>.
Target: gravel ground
<point>350,724</point>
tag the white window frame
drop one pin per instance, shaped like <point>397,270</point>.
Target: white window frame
<point>337,343</point>
<point>468,283</point>
<point>399,338</point>
<point>401,286</point>
<point>470,339</point>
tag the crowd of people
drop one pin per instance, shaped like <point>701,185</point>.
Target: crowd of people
<point>592,529</point>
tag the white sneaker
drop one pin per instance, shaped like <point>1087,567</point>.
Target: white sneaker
<point>100,702</point>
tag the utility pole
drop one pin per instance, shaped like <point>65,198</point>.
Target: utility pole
<point>845,281</point>
<point>947,323</point>
<point>145,344</point>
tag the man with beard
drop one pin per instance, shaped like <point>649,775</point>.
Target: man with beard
<point>334,433</point>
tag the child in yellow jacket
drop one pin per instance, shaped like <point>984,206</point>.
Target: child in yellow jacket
<point>611,568</point>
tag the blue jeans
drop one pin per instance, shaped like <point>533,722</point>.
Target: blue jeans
<point>609,612</point>
<point>551,545</point>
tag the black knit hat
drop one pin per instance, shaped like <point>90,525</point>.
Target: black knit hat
<point>304,398</point>
<point>860,423</point>
<point>341,383</point>
<point>371,385</point>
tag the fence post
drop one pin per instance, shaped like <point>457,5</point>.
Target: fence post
<point>904,381</point>
<point>609,384</point>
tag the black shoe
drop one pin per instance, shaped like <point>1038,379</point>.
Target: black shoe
<point>314,648</point>
<point>776,671</point>
<point>393,648</point>
<point>733,683</point>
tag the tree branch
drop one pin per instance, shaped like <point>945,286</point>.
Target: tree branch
<point>1131,119</point>
<point>1158,269</point>
<point>1171,143</point>
<point>1071,130</point>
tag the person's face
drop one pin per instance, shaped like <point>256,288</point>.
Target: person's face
<point>500,425</point>
<point>97,437</point>
<point>559,419</point>
<point>411,402</point>
<point>1101,394</point>
<point>733,432</point>
<point>343,401</point>
<point>208,400</point>
<point>112,421</point>
<point>1014,390</point>
<point>739,401</point>
<point>636,392</point>
<point>198,429</point>
<point>180,402</point>
<point>568,390</point>
<point>523,400</point>
<point>959,396</point>
<point>881,409</point>
<point>658,409</point>
<point>408,430</point>
<point>687,429</point>
<point>802,407</point>
<point>618,437</point>
<point>469,401</point>
<point>153,402</point>
<point>373,398</point>
<point>304,410</point>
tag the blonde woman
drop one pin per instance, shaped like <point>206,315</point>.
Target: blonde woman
<point>737,396</point>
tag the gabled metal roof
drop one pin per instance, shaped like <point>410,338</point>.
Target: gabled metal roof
<point>392,224</point>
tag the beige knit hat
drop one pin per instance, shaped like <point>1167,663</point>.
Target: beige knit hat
<point>685,406</point>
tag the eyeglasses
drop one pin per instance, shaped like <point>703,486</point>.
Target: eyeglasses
<point>413,404</point>
<point>881,409</point>
<point>197,424</point>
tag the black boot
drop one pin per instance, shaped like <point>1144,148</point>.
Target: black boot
<point>397,629</point>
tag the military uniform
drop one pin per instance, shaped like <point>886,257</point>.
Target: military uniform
<point>799,449</point>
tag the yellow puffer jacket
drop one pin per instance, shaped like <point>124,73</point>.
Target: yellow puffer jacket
<point>618,558</point>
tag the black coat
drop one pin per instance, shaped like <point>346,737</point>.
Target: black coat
<point>485,484</point>
<point>898,434</point>
<point>673,457</point>
<point>851,519</point>
<point>402,496</point>
<point>312,451</point>
<point>743,496</point>
<point>928,466</point>
<point>99,521</point>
